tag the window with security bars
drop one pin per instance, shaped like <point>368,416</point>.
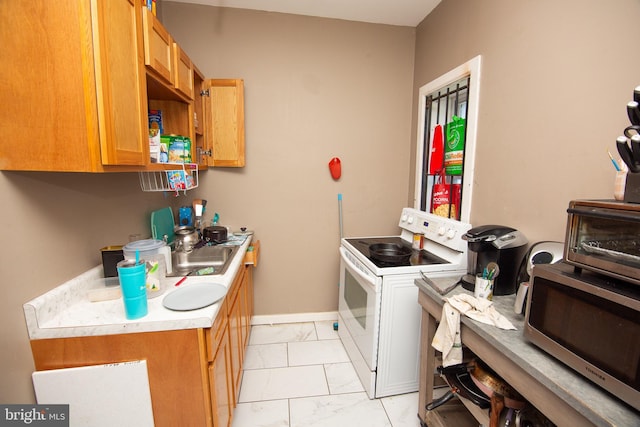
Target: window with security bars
<point>446,143</point>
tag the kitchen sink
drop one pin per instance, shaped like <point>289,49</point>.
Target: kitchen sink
<point>204,261</point>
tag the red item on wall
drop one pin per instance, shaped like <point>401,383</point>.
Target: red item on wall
<point>335,168</point>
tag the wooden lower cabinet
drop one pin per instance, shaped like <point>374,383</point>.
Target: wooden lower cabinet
<point>222,401</point>
<point>236,310</point>
<point>194,374</point>
<point>176,362</point>
<point>248,312</point>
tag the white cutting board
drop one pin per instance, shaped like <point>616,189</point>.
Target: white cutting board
<point>101,395</point>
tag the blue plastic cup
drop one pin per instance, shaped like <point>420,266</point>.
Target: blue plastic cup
<point>133,283</point>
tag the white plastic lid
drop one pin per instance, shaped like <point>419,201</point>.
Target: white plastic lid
<point>145,247</point>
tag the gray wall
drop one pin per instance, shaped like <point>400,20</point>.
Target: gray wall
<point>314,89</point>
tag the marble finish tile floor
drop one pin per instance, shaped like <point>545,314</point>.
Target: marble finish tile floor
<point>299,375</point>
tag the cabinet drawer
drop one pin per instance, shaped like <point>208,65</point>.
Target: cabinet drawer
<point>215,334</point>
<point>253,253</point>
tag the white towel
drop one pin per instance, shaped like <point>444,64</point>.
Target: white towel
<point>447,336</point>
<point>479,309</point>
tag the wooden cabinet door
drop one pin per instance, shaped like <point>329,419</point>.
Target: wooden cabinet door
<point>222,383</point>
<point>225,122</point>
<point>158,48</point>
<point>235,331</point>
<point>243,296</point>
<point>183,72</point>
<point>202,150</point>
<point>235,340</point>
<point>198,101</point>
<point>54,130</point>
<point>248,293</point>
<point>120,82</point>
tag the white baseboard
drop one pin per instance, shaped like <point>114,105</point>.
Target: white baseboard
<point>270,319</point>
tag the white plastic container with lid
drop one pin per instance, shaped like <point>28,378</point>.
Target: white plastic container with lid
<point>158,256</point>
<point>148,247</point>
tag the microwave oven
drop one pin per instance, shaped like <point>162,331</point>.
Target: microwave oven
<point>590,322</point>
<point>604,236</point>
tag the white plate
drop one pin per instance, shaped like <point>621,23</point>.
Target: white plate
<point>194,296</point>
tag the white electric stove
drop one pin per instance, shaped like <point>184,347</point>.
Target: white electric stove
<point>378,311</point>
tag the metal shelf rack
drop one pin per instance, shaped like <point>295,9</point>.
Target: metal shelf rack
<point>183,178</point>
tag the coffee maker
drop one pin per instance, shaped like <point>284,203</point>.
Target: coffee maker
<point>494,243</point>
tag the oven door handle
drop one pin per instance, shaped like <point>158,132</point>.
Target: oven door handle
<point>602,213</point>
<point>356,270</point>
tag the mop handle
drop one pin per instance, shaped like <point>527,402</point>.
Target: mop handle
<point>340,212</point>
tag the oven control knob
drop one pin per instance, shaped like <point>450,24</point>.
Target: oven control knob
<point>404,218</point>
<point>441,231</point>
<point>451,233</point>
<point>410,220</point>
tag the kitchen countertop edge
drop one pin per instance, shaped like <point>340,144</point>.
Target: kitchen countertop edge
<point>65,312</point>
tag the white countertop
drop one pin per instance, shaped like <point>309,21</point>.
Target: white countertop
<point>66,310</point>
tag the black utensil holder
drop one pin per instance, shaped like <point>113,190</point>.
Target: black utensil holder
<point>632,188</point>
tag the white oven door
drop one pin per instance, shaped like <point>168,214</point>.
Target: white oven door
<point>359,307</point>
